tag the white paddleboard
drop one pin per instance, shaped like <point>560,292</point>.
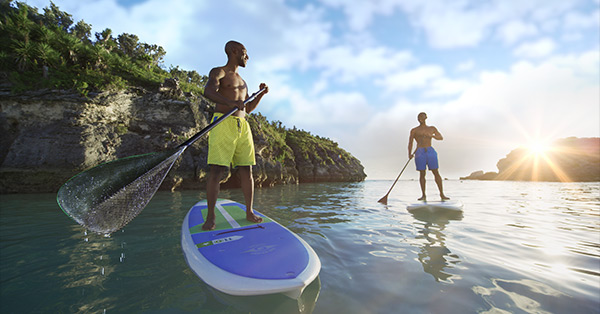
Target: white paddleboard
<point>449,205</point>
<point>244,258</point>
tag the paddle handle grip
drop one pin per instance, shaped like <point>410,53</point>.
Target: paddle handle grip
<point>215,123</point>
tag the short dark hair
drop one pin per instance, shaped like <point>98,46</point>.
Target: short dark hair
<point>230,45</point>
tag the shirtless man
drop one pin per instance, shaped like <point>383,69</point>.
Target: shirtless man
<point>230,142</point>
<point>425,155</point>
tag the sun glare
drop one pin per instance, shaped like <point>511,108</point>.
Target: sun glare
<point>539,161</point>
<point>538,148</point>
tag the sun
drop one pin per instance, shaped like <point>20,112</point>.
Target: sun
<point>538,148</point>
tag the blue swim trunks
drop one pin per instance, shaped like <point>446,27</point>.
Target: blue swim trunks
<point>426,156</point>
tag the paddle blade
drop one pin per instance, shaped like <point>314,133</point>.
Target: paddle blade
<point>105,198</point>
<point>384,199</point>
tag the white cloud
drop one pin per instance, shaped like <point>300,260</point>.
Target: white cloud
<point>514,31</point>
<point>360,13</point>
<point>278,38</point>
<point>346,64</point>
<point>453,24</point>
<point>447,24</point>
<point>329,111</point>
<point>446,87</point>
<point>577,20</point>
<point>408,80</point>
<point>540,48</point>
<point>304,34</point>
<point>557,96</point>
<point>465,66</point>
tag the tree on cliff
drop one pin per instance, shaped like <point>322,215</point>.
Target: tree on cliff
<point>52,46</point>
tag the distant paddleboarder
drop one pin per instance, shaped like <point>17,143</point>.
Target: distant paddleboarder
<point>425,155</point>
<point>230,143</point>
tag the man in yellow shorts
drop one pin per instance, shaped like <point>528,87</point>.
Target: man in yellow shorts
<point>230,142</point>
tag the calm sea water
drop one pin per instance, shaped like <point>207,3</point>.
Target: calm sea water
<point>519,247</point>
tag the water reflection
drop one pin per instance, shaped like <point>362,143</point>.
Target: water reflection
<point>529,296</point>
<point>273,303</point>
<point>104,271</point>
<point>307,208</point>
<point>434,255</point>
<point>88,268</point>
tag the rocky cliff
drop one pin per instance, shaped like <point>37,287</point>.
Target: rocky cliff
<point>48,136</point>
<point>569,159</point>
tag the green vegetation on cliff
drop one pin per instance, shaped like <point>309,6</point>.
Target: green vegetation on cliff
<point>49,50</point>
<point>306,146</point>
<point>274,134</point>
<point>315,158</point>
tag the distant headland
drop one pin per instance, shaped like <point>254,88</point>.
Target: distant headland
<point>566,160</point>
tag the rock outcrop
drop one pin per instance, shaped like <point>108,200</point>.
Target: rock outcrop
<point>48,136</point>
<point>569,159</point>
<point>480,175</point>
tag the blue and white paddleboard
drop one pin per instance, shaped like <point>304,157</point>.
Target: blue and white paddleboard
<point>450,205</point>
<point>244,258</point>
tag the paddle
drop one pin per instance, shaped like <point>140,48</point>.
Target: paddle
<point>384,199</point>
<point>105,198</point>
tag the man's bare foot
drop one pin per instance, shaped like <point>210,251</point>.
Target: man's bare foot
<point>422,198</point>
<point>444,197</point>
<point>209,224</point>
<point>253,218</point>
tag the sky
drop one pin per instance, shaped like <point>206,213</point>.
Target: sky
<point>492,75</point>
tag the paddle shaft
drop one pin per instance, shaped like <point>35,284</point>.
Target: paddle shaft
<point>388,193</point>
<point>215,123</point>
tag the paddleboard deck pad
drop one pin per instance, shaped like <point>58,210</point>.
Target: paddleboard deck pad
<point>239,257</point>
<point>449,205</point>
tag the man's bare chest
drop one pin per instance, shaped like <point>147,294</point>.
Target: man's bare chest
<point>424,131</point>
<point>233,82</point>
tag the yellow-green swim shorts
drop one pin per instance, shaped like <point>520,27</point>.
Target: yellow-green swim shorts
<point>231,143</point>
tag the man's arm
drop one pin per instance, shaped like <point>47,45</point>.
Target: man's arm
<point>410,143</point>
<point>436,134</point>
<point>211,91</point>
<point>254,103</point>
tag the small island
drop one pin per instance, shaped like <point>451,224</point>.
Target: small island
<point>566,160</point>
